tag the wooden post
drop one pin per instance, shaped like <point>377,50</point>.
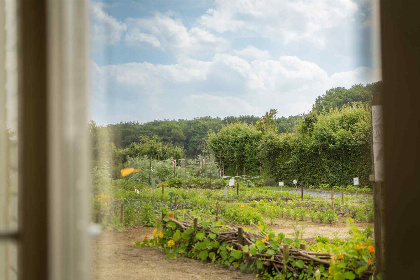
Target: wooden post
<point>237,186</point>
<point>301,185</point>
<point>332,200</point>
<point>122,213</point>
<point>342,200</point>
<point>303,246</point>
<point>195,224</point>
<point>285,257</point>
<point>163,189</point>
<point>240,235</point>
<point>217,211</point>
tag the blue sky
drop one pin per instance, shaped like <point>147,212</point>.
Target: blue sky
<point>180,59</point>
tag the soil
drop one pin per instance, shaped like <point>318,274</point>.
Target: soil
<point>116,256</point>
<point>310,230</point>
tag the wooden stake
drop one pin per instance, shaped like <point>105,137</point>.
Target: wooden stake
<point>217,211</point>
<point>122,213</point>
<point>240,235</point>
<point>303,246</point>
<point>301,185</point>
<point>332,200</point>
<point>195,224</point>
<point>285,257</point>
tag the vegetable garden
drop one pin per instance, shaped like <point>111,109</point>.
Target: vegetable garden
<point>225,228</point>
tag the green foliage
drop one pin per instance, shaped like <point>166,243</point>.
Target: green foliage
<point>237,146</point>
<point>338,97</point>
<point>328,147</point>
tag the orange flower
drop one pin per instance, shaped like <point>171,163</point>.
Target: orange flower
<point>333,256</point>
<point>99,198</point>
<point>369,261</point>
<point>171,243</point>
<point>242,206</point>
<point>371,249</point>
<point>126,171</point>
<point>360,246</point>
<point>263,240</point>
<point>340,257</point>
<point>267,237</point>
<point>146,238</point>
<point>170,215</point>
<point>104,196</point>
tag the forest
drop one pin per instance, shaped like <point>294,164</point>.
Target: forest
<point>331,144</point>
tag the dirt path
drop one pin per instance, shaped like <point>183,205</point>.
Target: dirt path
<point>116,256</point>
<point>310,230</point>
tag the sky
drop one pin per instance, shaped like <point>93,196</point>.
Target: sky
<point>182,59</point>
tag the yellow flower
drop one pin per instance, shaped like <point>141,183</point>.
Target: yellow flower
<point>242,206</point>
<point>267,237</point>
<point>104,196</point>
<point>126,171</point>
<point>155,231</point>
<point>263,240</point>
<point>171,243</point>
<point>160,234</point>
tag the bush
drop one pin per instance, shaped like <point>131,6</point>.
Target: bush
<point>270,182</point>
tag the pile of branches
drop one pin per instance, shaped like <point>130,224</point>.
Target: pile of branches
<point>237,238</point>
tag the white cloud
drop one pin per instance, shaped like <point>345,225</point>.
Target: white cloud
<point>252,53</point>
<point>284,20</point>
<point>169,34</point>
<point>227,85</point>
<point>360,75</point>
<point>105,29</point>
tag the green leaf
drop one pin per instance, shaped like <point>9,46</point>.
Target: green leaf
<point>203,255</point>
<point>212,255</point>
<point>271,252</point>
<point>171,225</point>
<point>215,244</point>
<point>205,224</point>
<point>361,269</point>
<point>138,243</point>
<point>185,235</point>
<point>200,235</point>
<point>259,264</point>
<point>236,254</point>
<point>177,235</point>
<point>260,245</point>
<point>212,236</point>
<point>299,263</point>
<point>245,249</point>
<point>349,275</point>
<point>253,250</point>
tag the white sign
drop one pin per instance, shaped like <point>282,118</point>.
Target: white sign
<point>356,181</point>
<point>378,148</point>
<point>295,181</point>
<point>231,182</point>
<point>281,184</point>
<point>225,192</point>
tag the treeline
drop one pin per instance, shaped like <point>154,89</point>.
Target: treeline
<point>331,144</point>
<point>329,147</point>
